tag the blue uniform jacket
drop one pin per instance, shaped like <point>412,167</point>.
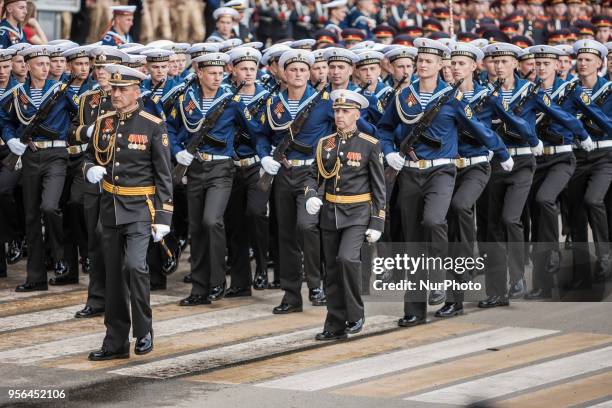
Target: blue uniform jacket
<point>113,38</point>
<point>599,91</point>
<point>246,145</point>
<point>10,35</point>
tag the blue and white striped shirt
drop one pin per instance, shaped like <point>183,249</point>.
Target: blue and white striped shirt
<point>36,96</point>
<point>2,91</point>
<point>293,107</point>
<point>75,88</point>
<point>507,95</point>
<point>588,91</point>
<point>246,99</point>
<point>424,98</point>
<point>206,104</point>
<point>469,95</point>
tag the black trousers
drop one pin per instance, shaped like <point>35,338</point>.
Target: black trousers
<point>341,249</point>
<point>294,223</point>
<point>425,196</point>
<point>587,190</point>
<point>247,215</point>
<point>127,283</point>
<point>508,192</point>
<point>469,185</point>
<point>10,226</point>
<point>43,175</point>
<point>552,174</point>
<point>209,185</point>
<point>75,230</point>
<point>97,275</point>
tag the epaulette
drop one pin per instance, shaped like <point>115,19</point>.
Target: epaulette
<point>90,92</point>
<point>106,115</point>
<point>369,138</point>
<point>152,118</point>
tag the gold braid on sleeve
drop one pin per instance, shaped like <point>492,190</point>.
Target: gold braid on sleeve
<point>322,171</point>
<point>103,156</point>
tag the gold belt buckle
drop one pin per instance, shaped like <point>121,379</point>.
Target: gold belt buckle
<point>461,162</point>
<point>549,150</point>
<point>115,190</point>
<point>422,164</point>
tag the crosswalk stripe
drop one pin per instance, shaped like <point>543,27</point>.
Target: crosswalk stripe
<point>198,340</point>
<point>564,395</point>
<point>10,294</point>
<point>291,363</point>
<point>404,359</point>
<point>81,344</point>
<point>242,352</point>
<point>22,321</point>
<point>470,367</point>
<point>42,302</point>
<point>520,380</point>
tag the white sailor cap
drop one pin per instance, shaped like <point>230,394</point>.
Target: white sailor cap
<point>429,46</point>
<point>273,53</point>
<point>448,42</point>
<point>136,60</point>
<point>390,47</point>
<point>254,44</point>
<point>305,44</point>
<point>319,55</point>
<point>6,54</point>
<point>363,45</point>
<point>105,55</point>
<point>291,56</point>
<point>120,75</point>
<point>241,54</point>
<point>60,41</point>
<point>122,10</point>
<point>227,45</point>
<point>335,4</point>
<point>335,54</point>
<point>525,54</point>
<point>160,44</point>
<point>236,4</point>
<point>158,55</point>
<point>566,49</point>
<point>369,57</point>
<point>590,47</point>
<point>129,45</point>
<point>213,59</point>
<point>343,98</point>
<point>545,51</point>
<point>177,48</point>
<point>77,52</point>
<point>479,43</point>
<point>502,49</point>
<point>136,49</point>
<point>34,51</point>
<point>225,11</point>
<point>19,47</point>
<point>401,52</point>
<point>467,50</point>
<point>609,46</point>
<point>56,50</point>
<point>202,48</point>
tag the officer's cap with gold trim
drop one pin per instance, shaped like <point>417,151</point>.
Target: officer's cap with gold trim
<point>292,56</point>
<point>6,54</point>
<point>590,47</point>
<point>401,52</point>
<point>157,55</point>
<point>273,53</point>
<point>122,10</point>
<point>369,57</point>
<point>214,59</point>
<point>305,44</point>
<point>230,44</point>
<point>501,49</point>
<point>225,11</point>
<point>343,98</point>
<point>242,54</point>
<point>238,5</point>
<point>467,50</point>
<point>34,51</point>
<point>545,51</point>
<point>105,55</point>
<point>76,52</point>
<point>334,54</point>
<point>56,50</point>
<point>429,46</point>
<point>199,49</point>
<point>121,75</point>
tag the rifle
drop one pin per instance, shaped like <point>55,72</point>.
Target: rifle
<point>502,129</point>
<point>417,133</point>
<point>33,127</point>
<point>365,87</point>
<point>254,109</point>
<point>265,181</point>
<point>387,98</point>
<point>169,103</point>
<point>151,95</point>
<point>485,100</point>
<point>527,75</point>
<point>542,126</point>
<point>202,136</point>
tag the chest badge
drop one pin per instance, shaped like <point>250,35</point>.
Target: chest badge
<point>137,142</point>
<point>411,100</point>
<point>279,109</point>
<point>108,125</point>
<point>191,106</point>
<point>354,159</point>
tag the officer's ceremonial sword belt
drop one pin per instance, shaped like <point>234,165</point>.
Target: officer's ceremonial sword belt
<point>348,199</point>
<point>127,191</point>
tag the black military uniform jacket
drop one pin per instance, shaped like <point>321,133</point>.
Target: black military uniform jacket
<point>348,175</point>
<point>135,150</point>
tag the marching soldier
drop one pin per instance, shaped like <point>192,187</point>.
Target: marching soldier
<point>123,19</point>
<point>14,13</point>
<point>129,155</point>
<point>93,104</point>
<point>369,70</point>
<point>224,22</point>
<point>349,162</point>
<point>319,70</point>
<point>44,169</point>
<point>401,61</point>
<point>19,69</point>
<point>57,67</point>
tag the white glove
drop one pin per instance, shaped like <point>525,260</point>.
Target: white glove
<point>372,235</point>
<point>184,157</point>
<point>539,149</point>
<point>313,205</point>
<point>159,231</point>
<point>90,131</point>
<point>270,165</point>
<point>490,155</point>
<point>587,144</point>
<point>95,174</point>
<point>508,164</point>
<point>395,160</point>
<point>16,146</point>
